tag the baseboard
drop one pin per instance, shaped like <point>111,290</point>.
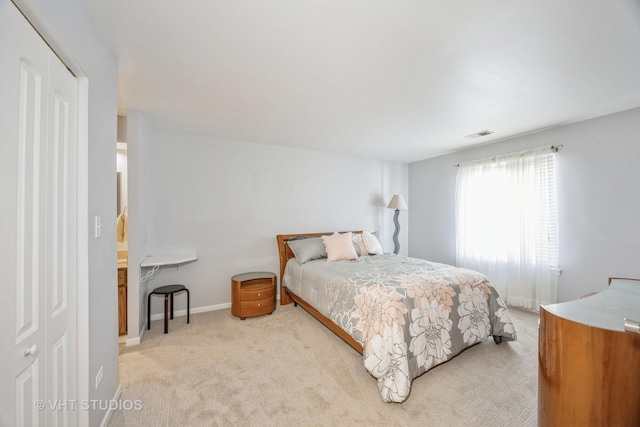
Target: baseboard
<point>133,341</point>
<point>178,313</point>
<point>137,340</point>
<point>107,415</point>
<point>197,310</point>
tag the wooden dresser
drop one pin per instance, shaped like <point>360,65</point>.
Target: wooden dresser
<point>588,366</point>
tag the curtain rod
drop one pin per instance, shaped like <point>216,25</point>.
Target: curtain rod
<point>553,148</point>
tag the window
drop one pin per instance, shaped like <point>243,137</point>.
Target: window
<point>506,224</point>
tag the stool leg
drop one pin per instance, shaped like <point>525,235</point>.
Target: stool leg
<point>166,314</point>
<point>149,311</point>
<point>171,305</point>
<point>187,305</point>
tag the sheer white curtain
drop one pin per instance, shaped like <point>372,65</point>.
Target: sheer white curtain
<point>506,224</point>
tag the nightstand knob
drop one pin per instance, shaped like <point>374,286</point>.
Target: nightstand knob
<point>259,294</point>
<point>258,304</point>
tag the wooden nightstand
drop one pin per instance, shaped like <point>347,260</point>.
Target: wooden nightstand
<point>253,294</point>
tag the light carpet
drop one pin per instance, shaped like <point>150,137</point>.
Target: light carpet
<point>288,369</point>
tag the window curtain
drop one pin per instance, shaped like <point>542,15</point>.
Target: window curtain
<point>507,225</point>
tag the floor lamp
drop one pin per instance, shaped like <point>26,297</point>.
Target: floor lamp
<point>397,203</point>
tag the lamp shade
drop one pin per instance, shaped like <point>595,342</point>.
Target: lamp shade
<point>397,202</point>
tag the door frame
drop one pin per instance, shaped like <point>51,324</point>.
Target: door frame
<point>37,21</point>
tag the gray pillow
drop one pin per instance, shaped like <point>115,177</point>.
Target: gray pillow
<point>309,249</point>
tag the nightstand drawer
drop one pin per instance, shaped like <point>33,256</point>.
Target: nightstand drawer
<point>257,307</point>
<point>265,292</point>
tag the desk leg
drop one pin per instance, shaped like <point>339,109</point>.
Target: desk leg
<point>149,310</point>
<point>187,305</point>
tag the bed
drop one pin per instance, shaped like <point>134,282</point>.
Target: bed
<point>404,315</point>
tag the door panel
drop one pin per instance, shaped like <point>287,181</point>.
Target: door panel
<point>60,282</point>
<point>28,237</point>
<point>59,382</point>
<point>27,390</point>
<point>30,61</point>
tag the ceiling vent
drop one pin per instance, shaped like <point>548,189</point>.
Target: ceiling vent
<point>479,134</point>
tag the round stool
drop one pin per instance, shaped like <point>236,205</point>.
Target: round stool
<point>168,292</point>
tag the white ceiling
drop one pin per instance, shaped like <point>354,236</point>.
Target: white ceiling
<point>396,80</point>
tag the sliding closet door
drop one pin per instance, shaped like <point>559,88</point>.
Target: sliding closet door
<point>38,164</point>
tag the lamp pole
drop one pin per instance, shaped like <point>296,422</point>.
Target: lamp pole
<point>396,242</point>
<point>397,203</point>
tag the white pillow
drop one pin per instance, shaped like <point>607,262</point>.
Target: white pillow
<point>339,247</point>
<point>372,243</point>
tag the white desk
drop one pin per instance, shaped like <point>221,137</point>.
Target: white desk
<point>163,260</point>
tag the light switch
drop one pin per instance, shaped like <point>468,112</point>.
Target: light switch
<point>98,227</point>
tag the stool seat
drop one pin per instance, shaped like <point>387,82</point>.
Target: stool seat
<point>169,289</point>
<point>168,292</point>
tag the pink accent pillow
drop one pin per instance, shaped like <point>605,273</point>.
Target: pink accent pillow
<point>339,247</point>
<point>358,244</point>
<point>363,248</point>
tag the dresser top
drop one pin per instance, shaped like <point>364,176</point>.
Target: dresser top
<point>606,309</point>
<point>253,276</point>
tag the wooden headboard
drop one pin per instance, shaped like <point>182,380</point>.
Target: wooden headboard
<point>285,254</point>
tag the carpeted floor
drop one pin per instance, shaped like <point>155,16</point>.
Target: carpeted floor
<point>288,369</point>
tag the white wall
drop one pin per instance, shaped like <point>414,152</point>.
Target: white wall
<point>598,200</point>
<point>69,29</point>
<point>138,165</point>
<point>227,201</point>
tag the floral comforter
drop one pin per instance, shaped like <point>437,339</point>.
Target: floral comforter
<point>408,314</point>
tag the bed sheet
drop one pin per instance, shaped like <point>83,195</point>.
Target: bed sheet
<point>408,314</point>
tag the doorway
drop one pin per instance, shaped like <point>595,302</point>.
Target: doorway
<point>122,235</point>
